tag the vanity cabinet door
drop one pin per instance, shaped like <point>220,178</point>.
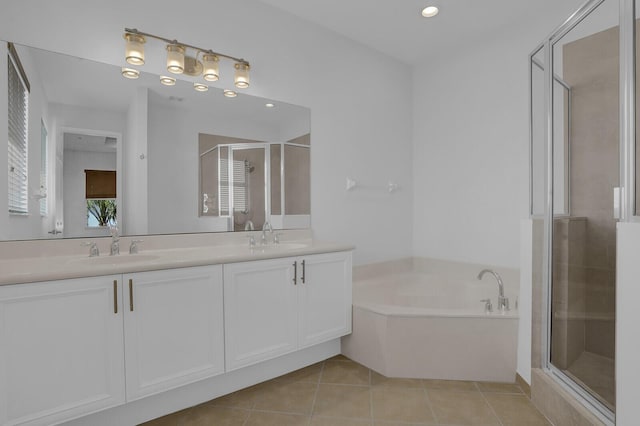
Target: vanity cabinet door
<point>61,349</point>
<point>324,297</point>
<point>174,330</point>
<point>260,311</point>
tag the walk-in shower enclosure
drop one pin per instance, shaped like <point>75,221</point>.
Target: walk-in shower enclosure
<point>583,181</point>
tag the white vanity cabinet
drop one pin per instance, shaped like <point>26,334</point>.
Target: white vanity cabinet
<point>73,347</point>
<point>64,344</point>
<point>173,328</point>
<point>61,349</point>
<point>273,307</point>
<point>324,298</point>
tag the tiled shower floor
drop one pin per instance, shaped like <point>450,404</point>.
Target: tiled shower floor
<point>340,392</point>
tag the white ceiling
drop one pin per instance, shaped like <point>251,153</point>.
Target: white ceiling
<point>396,27</point>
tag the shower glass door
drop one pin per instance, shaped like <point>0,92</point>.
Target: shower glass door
<point>585,177</point>
<point>248,186</point>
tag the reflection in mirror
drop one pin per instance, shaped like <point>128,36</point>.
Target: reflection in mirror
<point>586,125</point>
<point>68,116</point>
<point>243,180</point>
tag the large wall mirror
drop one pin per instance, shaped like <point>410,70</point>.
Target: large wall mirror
<point>89,148</point>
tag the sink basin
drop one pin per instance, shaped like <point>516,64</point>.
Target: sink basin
<point>117,260</point>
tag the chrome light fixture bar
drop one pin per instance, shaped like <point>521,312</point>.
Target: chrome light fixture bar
<point>186,59</point>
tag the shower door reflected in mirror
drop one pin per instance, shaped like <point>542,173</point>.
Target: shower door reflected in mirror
<point>248,186</point>
<point>585,175</point>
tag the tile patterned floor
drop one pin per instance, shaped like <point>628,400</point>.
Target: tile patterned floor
<point>340,392</point>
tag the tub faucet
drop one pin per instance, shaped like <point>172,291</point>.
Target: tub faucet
<point>503,302</point>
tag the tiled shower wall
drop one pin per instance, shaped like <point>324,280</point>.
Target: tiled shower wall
<point>591,67</point>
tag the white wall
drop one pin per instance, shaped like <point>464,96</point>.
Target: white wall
<point>627,342</point>
<point>361,121</point>
<point>471,145</point>
<point>135,204</point>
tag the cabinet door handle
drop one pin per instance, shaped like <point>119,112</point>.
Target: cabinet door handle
<point>115,296</point>
<point>304,269</point>
<point>131,295</point>
<point>295,273</point>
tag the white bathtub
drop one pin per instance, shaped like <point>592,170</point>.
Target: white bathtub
<point>429,322</point>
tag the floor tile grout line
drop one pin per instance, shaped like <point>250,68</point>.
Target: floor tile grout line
<point>430,405</point>
<point>371,421</point>
<point>484,397</point>
<point>315,395</point>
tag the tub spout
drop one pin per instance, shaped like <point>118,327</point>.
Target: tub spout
<point>503,302</point>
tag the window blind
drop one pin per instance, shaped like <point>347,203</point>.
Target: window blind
<point>18,113</point>
<point>240,186</point>
<point>43,168</point>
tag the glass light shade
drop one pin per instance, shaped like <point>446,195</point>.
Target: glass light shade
<point>134,49</point>
<point>210,68</point>
<point>242,75</point>
<point>200,87</point>
<point>167,81</point>
<point>175,58</point>
<point>230,93</point>
<point>130,73</point>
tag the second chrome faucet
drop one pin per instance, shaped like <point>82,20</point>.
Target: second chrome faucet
<point>503,302</point>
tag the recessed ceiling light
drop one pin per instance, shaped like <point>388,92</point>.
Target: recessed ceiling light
<point>430,11</point>
<point>167,81</point>
<point>230,93</point>
<point>130,73</point>
<point>200,87</point>
<point>269,105</point>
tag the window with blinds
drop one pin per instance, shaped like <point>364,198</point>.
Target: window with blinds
<point>18,112</point>
<point>240,186</point>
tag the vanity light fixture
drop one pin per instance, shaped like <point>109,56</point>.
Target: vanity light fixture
<point>230,93</point>
<point>430,11</point>
<point>185,59</point>
<point>130,73</point>
<point>167,81</point>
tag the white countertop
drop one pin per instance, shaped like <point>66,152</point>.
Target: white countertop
<point>53,267</point>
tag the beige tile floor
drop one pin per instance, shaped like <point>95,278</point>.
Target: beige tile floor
<point>340,392</point>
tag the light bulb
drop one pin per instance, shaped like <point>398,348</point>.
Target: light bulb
<point>167,81</point>
<point>230,93</point>
<point>200,87</point>
<point>130,73</point>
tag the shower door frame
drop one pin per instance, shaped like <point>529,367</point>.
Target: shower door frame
<point>627,150</point>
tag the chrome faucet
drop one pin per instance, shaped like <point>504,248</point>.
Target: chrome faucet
<point>93,248</point>
<point>115,240</point>
<point>266,227</point>
<point>133,248</point>
<point>503,302</point>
